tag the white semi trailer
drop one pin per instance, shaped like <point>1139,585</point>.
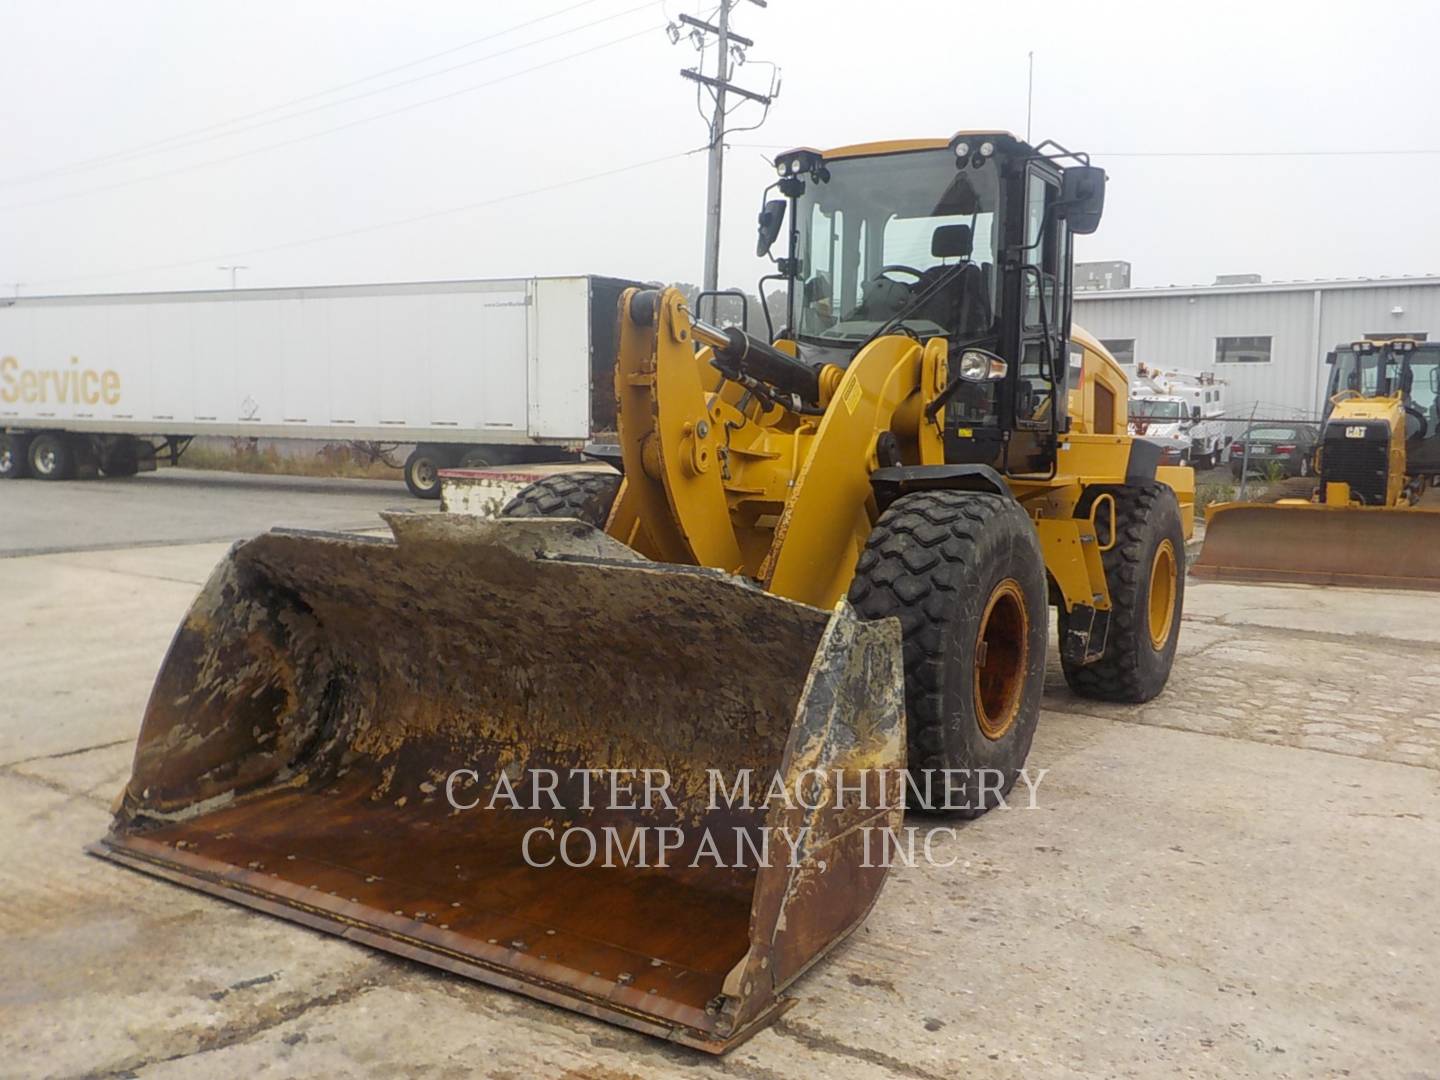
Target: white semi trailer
<point>469,372</point>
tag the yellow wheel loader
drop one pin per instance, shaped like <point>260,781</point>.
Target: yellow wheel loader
<point>819,559</point>
<point>1373,520</point>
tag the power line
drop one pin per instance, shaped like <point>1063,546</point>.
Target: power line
<point>141,149</point>
<point>234,130</point>
<point>378,226</point>
<point>324,131</point>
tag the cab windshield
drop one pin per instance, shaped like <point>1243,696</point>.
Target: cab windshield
<point>879,230</point>
<point>1359,372</point>
<point>1149,409</point>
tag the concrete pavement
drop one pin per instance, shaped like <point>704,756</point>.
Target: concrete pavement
<point>1238,879</point>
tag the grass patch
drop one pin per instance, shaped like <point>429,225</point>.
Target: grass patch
<point>359,461</point>
<point>1206,494</point>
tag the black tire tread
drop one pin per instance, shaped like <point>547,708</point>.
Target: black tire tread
<point>912,569</point>
<point>587,496</point>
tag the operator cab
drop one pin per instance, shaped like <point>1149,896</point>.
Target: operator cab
<point>966,239</point>
<point>1403,366</point>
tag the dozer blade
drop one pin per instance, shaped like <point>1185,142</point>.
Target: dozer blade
<point>298,750</point>
<point>1314,544</point>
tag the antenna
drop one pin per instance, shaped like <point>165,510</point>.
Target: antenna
<point>1029,94</point>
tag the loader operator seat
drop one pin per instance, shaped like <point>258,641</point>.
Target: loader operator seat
<point>963,306</point>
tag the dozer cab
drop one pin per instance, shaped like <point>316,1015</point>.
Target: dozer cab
<point>826,555</point>
<point>1373,520</point>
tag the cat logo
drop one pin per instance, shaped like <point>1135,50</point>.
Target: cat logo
<point>1355,431</point>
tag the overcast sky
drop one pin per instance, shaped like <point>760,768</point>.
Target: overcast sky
<point>257,169</point>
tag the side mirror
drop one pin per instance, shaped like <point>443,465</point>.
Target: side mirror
<point>772,220</point>
<point>1082,198</point>
<point>1194,412</point>
<point>1330,358</point>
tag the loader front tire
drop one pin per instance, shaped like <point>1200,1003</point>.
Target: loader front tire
<point>587,496</point>
<point>964,574</point>
<point>1145,571</point>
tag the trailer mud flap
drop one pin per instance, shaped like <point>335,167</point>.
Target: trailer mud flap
<point>450,746</point>
<point>1315,544</point>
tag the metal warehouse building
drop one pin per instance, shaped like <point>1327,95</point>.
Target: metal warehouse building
<point>1267,340</point>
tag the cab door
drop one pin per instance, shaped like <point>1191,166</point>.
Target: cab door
<point>1038,398</point>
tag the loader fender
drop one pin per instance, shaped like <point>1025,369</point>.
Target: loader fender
<point>1144,563</point>
<point>893,481</point>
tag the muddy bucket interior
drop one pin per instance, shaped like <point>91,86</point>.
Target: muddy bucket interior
<point>1313,544</point>
<point>431,745</point>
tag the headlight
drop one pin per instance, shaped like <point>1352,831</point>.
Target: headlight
<point>781,168</point>
<point>976,365</point>
<point>962,149</point>
<point>986,149</point>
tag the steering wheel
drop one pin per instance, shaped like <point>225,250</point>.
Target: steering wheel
<point>884,270</point>
<point>1414,410</point>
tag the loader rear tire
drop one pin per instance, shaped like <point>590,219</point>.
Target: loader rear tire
<point>1145,570</point>
<point>964,574</point>
<point>584,495</point>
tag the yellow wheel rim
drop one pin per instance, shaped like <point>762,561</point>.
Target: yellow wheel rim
<point>1163,580</point>
<point>1001,654</point>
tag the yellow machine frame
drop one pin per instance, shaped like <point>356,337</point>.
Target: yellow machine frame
<point>716,478</point>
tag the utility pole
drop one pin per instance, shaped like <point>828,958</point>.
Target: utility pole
<point>719,85</point>
<point>233,271</point>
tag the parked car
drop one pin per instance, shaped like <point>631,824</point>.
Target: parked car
<point>1292,446</point>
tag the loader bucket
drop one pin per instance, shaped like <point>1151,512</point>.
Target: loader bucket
<point>1315,544</point>
<point>336,725</point>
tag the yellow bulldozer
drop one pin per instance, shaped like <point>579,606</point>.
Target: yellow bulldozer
<point>1373,520</point>
<point>824,558</point>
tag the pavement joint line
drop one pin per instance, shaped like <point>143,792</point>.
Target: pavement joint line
<point>813,1040</point>
<point>64,753</point>
<point>55,786</point>
<point>127,573</point>
<point>227,538</point>
<point>1234,738</point>
<point>235,1034</point>
<point>1330,636</point>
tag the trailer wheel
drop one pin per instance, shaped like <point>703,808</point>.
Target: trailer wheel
<point>964,574</point>
<point>584,495</point>
<point>52,457</point>
<point>14,460</point>
<point>1145,570</point>
<point>422,470</point>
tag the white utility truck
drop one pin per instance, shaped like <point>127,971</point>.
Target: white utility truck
<point>470,373</point>
<point>1181,411</point>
